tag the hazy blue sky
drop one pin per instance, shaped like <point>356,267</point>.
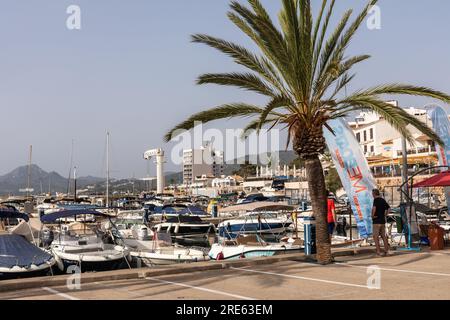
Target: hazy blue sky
<point>131,69</point>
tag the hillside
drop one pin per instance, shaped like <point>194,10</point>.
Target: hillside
<point>41,181</point>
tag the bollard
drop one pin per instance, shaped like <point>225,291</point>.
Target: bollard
<point>310,235</point>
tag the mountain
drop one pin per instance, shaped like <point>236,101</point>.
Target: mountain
<point>41,181</point>
<point>286,158</point>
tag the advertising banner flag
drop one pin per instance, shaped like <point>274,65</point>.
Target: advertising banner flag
<point>441,125</point>
<point>354,172</point>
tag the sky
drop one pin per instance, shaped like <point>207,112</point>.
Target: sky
<point>131,70</point>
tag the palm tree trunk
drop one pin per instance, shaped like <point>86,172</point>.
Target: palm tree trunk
<point>317,190</point>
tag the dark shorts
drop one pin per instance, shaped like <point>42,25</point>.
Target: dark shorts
<point>331,227</point>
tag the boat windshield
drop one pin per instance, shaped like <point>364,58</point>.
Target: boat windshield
<point>263,215</point>
<point>163,239</point>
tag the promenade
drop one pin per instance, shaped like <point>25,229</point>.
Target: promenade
<point>423,275</point>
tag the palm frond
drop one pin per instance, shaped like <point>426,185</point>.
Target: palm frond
<point>335,74</point>
<point>405,89</point>
<point>246,81</point>
<point>255,126</point>
<point>275,103</point>
<point>318,22</point>
<point>319,44</point>
<point>270,39</point>
<point>221,112</point>
<point>397,117</point>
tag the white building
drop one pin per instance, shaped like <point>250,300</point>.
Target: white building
<point>224,182</point>
<point>205,161</point>
<point>382,144</point>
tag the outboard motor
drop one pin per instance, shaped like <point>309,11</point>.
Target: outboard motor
<point>143,234</point>
<point>47,238</point>
<point>341,227</point>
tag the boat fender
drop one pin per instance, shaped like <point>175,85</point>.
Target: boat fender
<point>169,227</point>
<point>220,256</point>
<point>158,229</point>
<point>177,228</point>
<point>59,262</point>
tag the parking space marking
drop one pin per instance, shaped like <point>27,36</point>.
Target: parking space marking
<point>395,270</point>
<point>303,278</point>
<point>63,295</point>
<point>201,289</point>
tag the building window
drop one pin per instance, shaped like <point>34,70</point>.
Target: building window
<point>371,134</point>
<point>358,137</point>
<point>372,149</point>
<point>365,135</point>
<point>365,149</point>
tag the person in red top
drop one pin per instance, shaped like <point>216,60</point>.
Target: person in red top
<point>331,215</point>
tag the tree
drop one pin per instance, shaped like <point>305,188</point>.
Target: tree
<point>246,170</point>
<point>332,180</point>
<point>302,68</point>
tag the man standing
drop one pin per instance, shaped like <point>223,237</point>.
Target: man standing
<point>380,211</point>
<point>331,215</point>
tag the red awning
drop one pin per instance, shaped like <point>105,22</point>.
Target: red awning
<point>440,180</point>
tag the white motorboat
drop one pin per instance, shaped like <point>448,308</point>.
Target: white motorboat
<point>254,223</point>
<point>85,246</point>
<point>251,247</point>
<point>160,250</point>
<point>182,226</point>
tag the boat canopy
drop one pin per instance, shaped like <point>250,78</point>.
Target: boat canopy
<point>184,219</point>
<point>52,217</point>
<point>16,251</point>
<point>181,209</point>
<point>13,214</point>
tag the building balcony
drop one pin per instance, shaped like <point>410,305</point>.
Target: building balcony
<point>419,151</point>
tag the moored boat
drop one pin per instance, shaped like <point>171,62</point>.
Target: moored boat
<point>85,246</point>
<point>251,247</point>
<point>18,257</point>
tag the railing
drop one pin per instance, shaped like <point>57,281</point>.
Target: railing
<point>423,150</point>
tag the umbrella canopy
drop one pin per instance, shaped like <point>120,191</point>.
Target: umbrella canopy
<point>440,180</point>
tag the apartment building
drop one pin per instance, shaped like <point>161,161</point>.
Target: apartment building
<point>382,144</point>
<point>202,162</point>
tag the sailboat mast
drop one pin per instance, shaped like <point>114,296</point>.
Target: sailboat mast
<point>29,172</point>
<point>75,184</point>
<point>70,171</point>
<point>107,169</point>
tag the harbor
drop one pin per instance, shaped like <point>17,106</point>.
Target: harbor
<point>247,150</point>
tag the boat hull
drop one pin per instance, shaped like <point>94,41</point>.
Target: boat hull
<point>155,259</point>
<point>89,263</point>
<point>249,252</point>
<point>39,271</point>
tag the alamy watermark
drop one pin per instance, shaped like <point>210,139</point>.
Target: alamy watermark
<point>260,148</point>
<point>73,282</point>
<point>374,279</point>
<point>374,18</point>
<point>73,21</point>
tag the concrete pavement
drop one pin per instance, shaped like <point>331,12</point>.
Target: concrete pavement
<point>424,275</point>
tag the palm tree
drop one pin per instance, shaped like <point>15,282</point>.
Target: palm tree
<point>302,69</point>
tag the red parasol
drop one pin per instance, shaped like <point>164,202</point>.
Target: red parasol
<point>440,180</point>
